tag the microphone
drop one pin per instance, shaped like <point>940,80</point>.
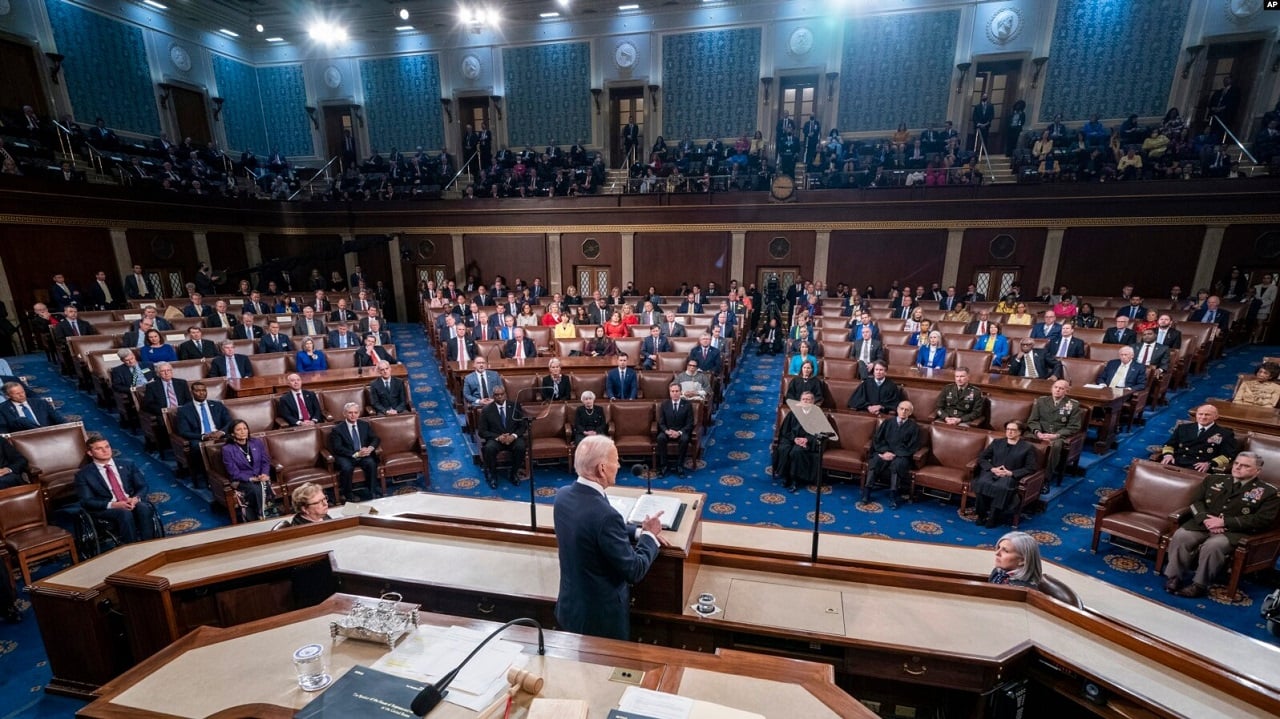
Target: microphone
<point>638,471</point>
<point>433,694</point>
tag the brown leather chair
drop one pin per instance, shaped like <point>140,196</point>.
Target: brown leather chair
<point>490,349</point>
<point>402,450</point>
<point>358,477</point>
<point>978,361</point>
<point>520,387</point>
<point>272,363</point>
<point>1140,511</point>
<point>1255,552</point>
<point>1030,485</point>
<point>1267,447</point>
<point>25,531</point>
<point>838,393</point>
<point>836,349</point>
<point>630,346</point>
<point>541,337</point>
<point>566,347</point>
<point>339,358</point>
<point>219,483</point>
<point>552,435</point>
<point>924,400</point>
<point>54,455</point>
<point>192,370</point>
<point>259,412</point>
<point>654,384</point>
<point>333,401</point>
<point>900,356</point>
<point>672,362</point>
<point>950,461</point>
<point>848,453</point>
<point>633,426</point>
<point>593,381</point>
<point>835,368</point>
<point>153,433</point>
<point>684,345</point>
<point>1080,370</point>
<point>299,456</point>
<point>1002,410</point>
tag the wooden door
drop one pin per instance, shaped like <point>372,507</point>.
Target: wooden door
<point>1239,61</point>
<point>191,115</point>
<point>591,279</point>
<point>999,82</point>
<point>995,281</point>
<point>626,103</point>
<point>473,113</point>
<point>22,83</point>
<point>337,119</point>
<point>798,97</point>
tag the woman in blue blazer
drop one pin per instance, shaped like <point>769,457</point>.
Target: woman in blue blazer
<point>995,343</point>
<point>933,354</point>
<point>310,359</point>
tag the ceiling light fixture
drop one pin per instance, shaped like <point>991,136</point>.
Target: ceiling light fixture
<point>478,17</point>
<point>260,27</point>
<point>404,13</point>
<point>545,15</point>
<point>154,4</point>
<point>228,33</point>
<point>275,39</point>
<point>327,33</point>
<point>404,28</point>
<point>624,8</point>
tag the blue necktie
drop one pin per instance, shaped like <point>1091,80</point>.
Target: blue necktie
<point>26,410</point>
<point>355,437</point>
<point>205,420</point>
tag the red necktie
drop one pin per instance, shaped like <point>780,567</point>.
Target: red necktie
<point>117,489</point>
<point>373,356</point>
<point>302,408</point>
<point>75,327</point>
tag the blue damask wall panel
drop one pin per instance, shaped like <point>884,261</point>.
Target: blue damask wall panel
<point>1112,57</point>
<point>106,69</point>
<point>897,68</point>
<point>284,114</point>
<point>548,93</point>
<point>709,83</point>
<point>242,113</point>
<point>402,102</point>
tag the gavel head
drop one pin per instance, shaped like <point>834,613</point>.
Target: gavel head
<point>524,680</point>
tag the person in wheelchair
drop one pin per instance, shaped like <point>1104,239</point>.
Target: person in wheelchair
<point>249,467</point>
<point>114,490</point>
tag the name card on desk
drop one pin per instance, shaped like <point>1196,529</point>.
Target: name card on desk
<point>364,692</point>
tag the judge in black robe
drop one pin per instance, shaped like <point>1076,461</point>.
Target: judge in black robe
<point>1004,463</point>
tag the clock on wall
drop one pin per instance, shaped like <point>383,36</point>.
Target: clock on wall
<point>801,41</point>
<point>783,188</point>
<point>779,248</point>
<point>332,77</point>
<point>471,67</point>
<point>625,55</point>
<point>180,58</point>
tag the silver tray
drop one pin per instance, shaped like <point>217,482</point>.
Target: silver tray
<point>380,623</point>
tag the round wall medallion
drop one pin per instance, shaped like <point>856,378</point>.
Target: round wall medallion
<point>180,58</point>
<point>590,248</point>
<point>1242,11</point>
<point>162,248</point>
<point>332,77</point>
<point>471,67</point>
<point>800,42</point>
<point>426,248</point>
<point>1268,245</point>
<point>625,55</point>
<point>1004,25</point>
<point>1002,247</point>
<point>779,248</point>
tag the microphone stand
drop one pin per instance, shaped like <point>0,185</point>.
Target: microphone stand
<point>638,471</point>
<point>526,429</point>
<point>820,440</point>
<point>433,694</point>
<point>814,423</point>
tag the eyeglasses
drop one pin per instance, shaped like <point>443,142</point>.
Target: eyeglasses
<point>322,500</point>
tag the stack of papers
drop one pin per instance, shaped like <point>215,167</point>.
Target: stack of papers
<point>431,652</point>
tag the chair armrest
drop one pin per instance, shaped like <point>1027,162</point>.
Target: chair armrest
<point>919,459</point>
<point>1031,484</point>
<point>33,473</point>
<point>281,423</point>
<point>278,468</point>
<point>1112,502</point>
<point>1267,542</point>
<point>327,457</point>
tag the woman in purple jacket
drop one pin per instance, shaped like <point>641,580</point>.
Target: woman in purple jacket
<point>249,469</point>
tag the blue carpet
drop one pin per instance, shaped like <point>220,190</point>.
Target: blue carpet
<point>733,472</point>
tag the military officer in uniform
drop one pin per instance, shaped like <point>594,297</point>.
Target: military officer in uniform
<point>960,402</point>
<point>1055,419</point>
<point>1202,446</point>
<point>1226,509</point>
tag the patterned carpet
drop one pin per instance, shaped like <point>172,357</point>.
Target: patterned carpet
<point>733,473</point>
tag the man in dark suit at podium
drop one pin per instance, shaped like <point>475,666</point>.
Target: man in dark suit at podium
<point>598,560</point>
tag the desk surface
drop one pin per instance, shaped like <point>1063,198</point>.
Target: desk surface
<point>220,668</point>
<point>1009,383</point>
<point>1247,417</point>
<point>540,363</point>
<point>937,619</point>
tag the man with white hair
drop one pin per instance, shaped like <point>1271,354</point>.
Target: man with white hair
<point>598,560</point>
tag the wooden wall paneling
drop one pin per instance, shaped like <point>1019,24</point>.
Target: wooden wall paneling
<point>227,254</point>
<point>299,254</point>
<point>665,259</point>
<point>1028,249</point>
<point>877,258</point>
<point>374,257</point>
<point>756,253</point>
<point>521,256</point>
<point>164,249</point>
<point>1245,246</point>
<point>1101,260</point>
<point>571,255</point>
<point>33,254</point>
